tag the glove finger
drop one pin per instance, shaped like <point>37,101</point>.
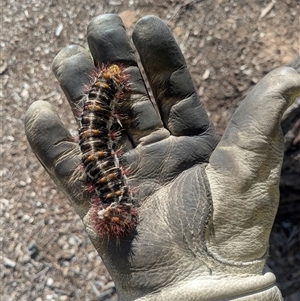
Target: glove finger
<point>245,167</point>
<point>56,150</point>
<point>72,67</point>
<point>109,44</point>
<point>170,81</point>
<point>108,41</point>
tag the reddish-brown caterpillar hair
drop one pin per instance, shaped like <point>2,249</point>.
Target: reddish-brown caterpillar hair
<point>112,213</point>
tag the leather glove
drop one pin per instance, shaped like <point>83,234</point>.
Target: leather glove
<point>205,208</point>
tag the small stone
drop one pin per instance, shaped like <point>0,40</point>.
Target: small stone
<point>49,282</point>
<point>206,74</point>
<point>115,2</point>
<point>5,202</point>
<point>3,172</point>
<point>33,249</point>
<point>27,218</point>
<point>72,241</point>
<point>3,67</point>
<point>38,204</point>
<point>9,138</point>
<point>9,263</point>
<point>59,29</point>
<point>22,183</point>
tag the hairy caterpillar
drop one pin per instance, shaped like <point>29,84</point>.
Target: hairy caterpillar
<point>112,213</point>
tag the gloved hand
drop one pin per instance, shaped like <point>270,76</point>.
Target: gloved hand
<point>205,210</point>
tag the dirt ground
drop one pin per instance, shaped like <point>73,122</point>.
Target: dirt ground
<point>229,45</point>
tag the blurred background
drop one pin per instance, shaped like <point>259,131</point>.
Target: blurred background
<point>229,46</point>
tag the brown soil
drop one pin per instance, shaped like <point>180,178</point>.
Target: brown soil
<point>229,45</point>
